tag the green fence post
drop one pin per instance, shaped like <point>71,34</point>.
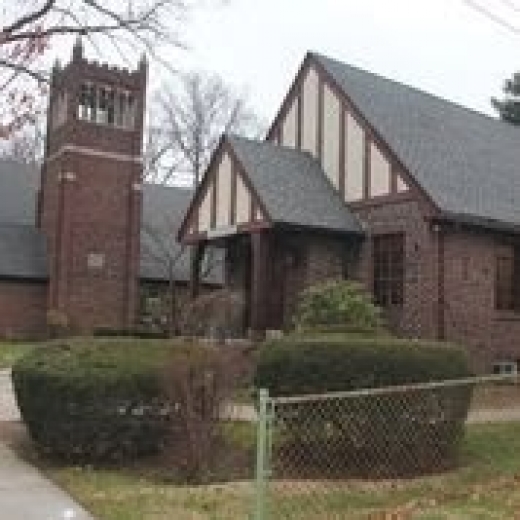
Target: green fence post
<point>261,458</point>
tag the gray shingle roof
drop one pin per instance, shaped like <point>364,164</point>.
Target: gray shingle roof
<point>22,252</point>
<point>18,188</point>
<point>163,211</point>
<point>293,186</point>
<point>22,245</point>
<point>467,162</point>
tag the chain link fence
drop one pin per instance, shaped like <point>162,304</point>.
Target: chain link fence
<point>368,454</point>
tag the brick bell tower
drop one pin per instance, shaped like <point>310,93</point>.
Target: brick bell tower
<point>91,192</point>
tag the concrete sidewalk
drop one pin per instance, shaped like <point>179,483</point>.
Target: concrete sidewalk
<point>8,408</point>
<point>25,494</point>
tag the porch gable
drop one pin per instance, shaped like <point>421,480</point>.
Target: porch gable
<point>225,203</point>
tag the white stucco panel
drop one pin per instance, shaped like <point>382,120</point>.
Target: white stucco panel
<point>401,185</point>
<point>310,112</point>
<point>224,191</point>
<point>205,210</point>
<point>331,134</point>
<point>380,172</point>
<point>243,202</point>
<point>354,159</point>
<point>259,215</point>
<point>290,125</point>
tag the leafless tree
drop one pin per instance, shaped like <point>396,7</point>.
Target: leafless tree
<point>191,116</point>
<point>30,27</point>
<point>160,248</point>
<point>26,145</point>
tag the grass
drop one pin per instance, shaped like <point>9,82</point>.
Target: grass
<point>11,352</point>
<point>486,486</point>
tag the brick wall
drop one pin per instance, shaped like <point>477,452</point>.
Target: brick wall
<point>297,261</point>
<point>322,258</point>
<point>418,316</point>
<point>91,204</point>
<point>23,308</point>
<point>102,296</point>
<point>470,315</point>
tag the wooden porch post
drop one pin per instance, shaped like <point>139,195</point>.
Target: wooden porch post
<point>259,283</point>
<point>197,254</point>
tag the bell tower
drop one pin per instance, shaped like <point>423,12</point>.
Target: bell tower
<point>91,191</point>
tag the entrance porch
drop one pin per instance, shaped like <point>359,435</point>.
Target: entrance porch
<point>271,267</point>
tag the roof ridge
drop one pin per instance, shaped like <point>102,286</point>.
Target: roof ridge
<point>319,56</point>
<point>147,184</point>
<point>272,144</point>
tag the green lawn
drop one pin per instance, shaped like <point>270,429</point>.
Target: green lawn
<point>10,352</point>
<point>487,486</point>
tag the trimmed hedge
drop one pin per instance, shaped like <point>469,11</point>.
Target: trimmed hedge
<point>314,364</point>
<point>391,434</point>
<point>95,400</point>
<point>141,333</point>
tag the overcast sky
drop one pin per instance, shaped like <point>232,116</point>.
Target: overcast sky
<point>441,46</point>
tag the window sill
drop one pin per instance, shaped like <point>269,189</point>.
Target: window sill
<point>507,315</point>
<point>106,125</point>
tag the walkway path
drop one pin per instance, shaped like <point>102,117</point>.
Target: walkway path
<point>25,493</point>
<point>8,409</point>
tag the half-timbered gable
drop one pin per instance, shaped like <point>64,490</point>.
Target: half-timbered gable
<point>318,116</point>
<point>363,177</point>
<point>226,203</point>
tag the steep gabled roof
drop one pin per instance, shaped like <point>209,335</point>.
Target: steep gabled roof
<point>293,187</point>
<point>163,210</point>
<point>18,187</point>
<point>22,245</point>
<point>22,252</point>
<point>468,163</point>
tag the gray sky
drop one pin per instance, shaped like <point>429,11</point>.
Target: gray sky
<point>441,46</point>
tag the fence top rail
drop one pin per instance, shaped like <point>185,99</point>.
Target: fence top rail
<point>396,389</point>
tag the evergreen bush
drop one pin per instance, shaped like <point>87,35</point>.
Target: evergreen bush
<point>337,305</point>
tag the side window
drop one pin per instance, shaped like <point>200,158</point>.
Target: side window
<point>388,269</point>
<point>507,273</point>
<point>106,105</point>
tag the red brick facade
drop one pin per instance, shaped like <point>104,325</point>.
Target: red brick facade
<point>449,284</point>
<point>418,316</point>
<point>90,201</point>
<point>23,308</point>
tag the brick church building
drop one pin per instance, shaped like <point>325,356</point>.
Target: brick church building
<point>359,177</point>
<point>84,238</point>
<point>362,177</point>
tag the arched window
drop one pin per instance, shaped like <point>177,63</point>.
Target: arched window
<point>130,111</point>
<point>102,106</point>
<point>111,107</point>
<point>91,102</point>
<point>120,108</point>
<point>83,107</point>
<point>107,106</point>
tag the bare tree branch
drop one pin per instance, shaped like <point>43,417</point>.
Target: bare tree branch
<point>193,113</point>
<point>31,26</point>
<point>29,18</point>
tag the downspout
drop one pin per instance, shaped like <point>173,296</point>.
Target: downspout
<point>441,297</point>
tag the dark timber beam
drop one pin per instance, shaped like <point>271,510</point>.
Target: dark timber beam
<point>260,245</point>
<point>197,254</point>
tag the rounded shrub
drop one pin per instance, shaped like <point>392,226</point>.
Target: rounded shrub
<point>337,305</point>
<point>386,433</point>
<point>310,364</point>
<point>94,400</point>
